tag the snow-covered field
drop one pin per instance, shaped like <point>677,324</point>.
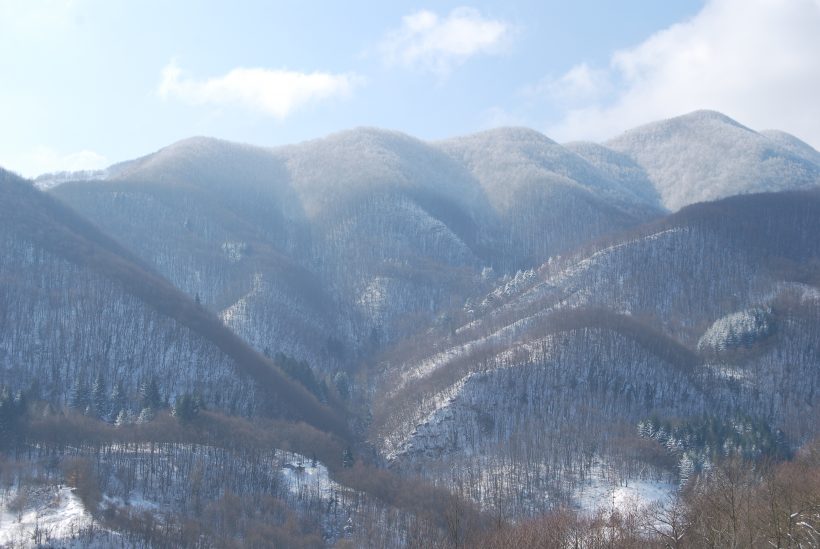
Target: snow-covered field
<point>47,516</point>
<point>305,478</point>
<point>602,494</point>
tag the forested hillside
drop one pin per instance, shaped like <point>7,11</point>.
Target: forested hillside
<point>705,320</point>
<point>79,309</point>
<point>369,340</point>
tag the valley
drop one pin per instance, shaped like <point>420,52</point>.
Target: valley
<point>371,340</point>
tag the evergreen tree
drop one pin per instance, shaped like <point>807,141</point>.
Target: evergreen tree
<point>10,414</point>
<point>122,418</point>
<point>99,397</point>
<point>300,371</point>
<point>20,403</point>
<point>146,415</point>
<point>323,391</point>
<point>34,390</point>
<point>117,401</point>
<point>342,383</point>
<point>149,395</point>
<point>186,408</point>
<point>686,468</point>
<point>347,458</point>
<point>80,396</point>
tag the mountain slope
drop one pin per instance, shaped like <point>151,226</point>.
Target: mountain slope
<point>621,168</point>
<point>331,249</point>
<point>89,291</point>
<point>705,155</point>
<point>351,239</point>
<point>669,307</point>
<point>522,323</point>
<point>549,199</point>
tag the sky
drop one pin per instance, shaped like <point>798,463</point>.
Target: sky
<point>87,83</point>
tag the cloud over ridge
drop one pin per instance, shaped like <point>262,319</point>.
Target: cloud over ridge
<point>440,43</point>
<point>755,60</point>
<point>277,93</point>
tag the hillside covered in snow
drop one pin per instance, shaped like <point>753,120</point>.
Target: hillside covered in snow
<point>369,340</point>
<point>351,240</point>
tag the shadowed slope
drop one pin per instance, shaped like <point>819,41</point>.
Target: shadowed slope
<point>34,216</point>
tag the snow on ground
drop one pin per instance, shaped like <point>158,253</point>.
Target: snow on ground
<point>500,338</point>
<point>305,477</point>
<point>599,493</point>
<point>48,181</point>
<point>566,285</point>
<point>135,501</point>
<point>429,417</point>
<point>43,516</point>
<point>239,310</point>
<point>567,277</point>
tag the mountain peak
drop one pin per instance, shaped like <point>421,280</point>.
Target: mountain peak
<point>705,155</point>
<point>509,134</point>
<point>200,144</point>
<point>367,136</point>
<point>706,115</point>
<point>704,123</point>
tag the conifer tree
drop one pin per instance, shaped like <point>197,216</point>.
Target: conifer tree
<point>99,397</point>
<point>80,396</point>
<point>149,395</point>
<point>117,401</point>
<point>186,408</point>
<point>347,458</point>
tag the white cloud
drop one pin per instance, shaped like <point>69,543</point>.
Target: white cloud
<point>755,60</point>
<point>277,93</point>
<point>428,40</point>
<point>47,160</point>
<point>580,84</point>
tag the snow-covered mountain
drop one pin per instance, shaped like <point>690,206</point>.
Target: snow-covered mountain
<point>717,299</point>
<point>706,155</point>
<point>346,239</point>
<point>354,239</point>
<point>458,333</point>
<point>48,181</point>
<point>80,311</point>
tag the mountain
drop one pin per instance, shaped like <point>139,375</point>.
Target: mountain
<point>357,239</point>
<point>704,316</point>
<point>794,145</point>
<point>621,168</point>
<point>372,340</point>
<point>706,155</point>
<point>350,239</point>
<point>548,198</point>
<point>92,336</point>
<point>506,160</point>
<point>225,246</point>
<point>79,309</point>
<point>47,181</point>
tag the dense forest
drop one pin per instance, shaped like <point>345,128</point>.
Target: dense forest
<point>369,340</point>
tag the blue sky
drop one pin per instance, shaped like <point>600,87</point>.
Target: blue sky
<point>85,83</point>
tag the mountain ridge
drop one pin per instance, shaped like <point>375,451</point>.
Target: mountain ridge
<point>698,129</point>
<point>55,227</point>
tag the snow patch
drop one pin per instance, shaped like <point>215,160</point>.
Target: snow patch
<point>234,251</point>
<point>307,478</point>
<point>599,493</point>
<point>740,329</point>
<point>239,310</point>
<point>43,516</point>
